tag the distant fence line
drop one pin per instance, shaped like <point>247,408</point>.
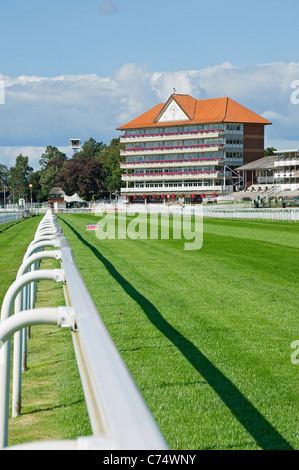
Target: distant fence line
<point>6,217</point>
<point>274,214</point>
<point>229,211</point>
<point>256,214</point>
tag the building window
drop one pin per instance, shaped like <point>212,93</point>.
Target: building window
<point>233,127</point>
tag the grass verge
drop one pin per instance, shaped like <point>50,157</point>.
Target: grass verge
<point>53,405</point>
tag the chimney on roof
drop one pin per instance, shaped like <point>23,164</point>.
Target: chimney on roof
<point>174,91</point>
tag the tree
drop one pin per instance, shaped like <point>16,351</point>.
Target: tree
<point>19,176</point>
<point>110,158</point>
<point>4,174</point>
<point>269,151</point>
<point>51,153</point>
<point>36,189</point>
<point>49,175</point>
<point>90,149</point>
<point>81,175</point>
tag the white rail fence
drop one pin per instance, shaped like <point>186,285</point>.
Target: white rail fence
<point>231,211</point>
<point>223,212</point>
<point>118,414</point>
<point>6,217</point>
<point>254,214</point>
<point>285,215</point>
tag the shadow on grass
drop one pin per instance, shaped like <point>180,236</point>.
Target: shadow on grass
<point>12,225</point>
<point>52,408</point>
<point>260,429</point>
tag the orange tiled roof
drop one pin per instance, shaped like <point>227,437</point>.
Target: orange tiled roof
<point>199,112</point>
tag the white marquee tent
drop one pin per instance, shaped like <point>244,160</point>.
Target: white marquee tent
<point>74,198</point>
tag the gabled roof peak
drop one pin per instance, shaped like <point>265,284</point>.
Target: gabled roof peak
<point>191,111</point>
<point>176,108</point>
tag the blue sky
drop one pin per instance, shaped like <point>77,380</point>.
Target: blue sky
<point>72,37</point>
<point>74,68</point>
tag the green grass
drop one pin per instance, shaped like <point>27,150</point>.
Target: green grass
<point>206,334</point>
<point>14,240</point>
<point>53,405</point>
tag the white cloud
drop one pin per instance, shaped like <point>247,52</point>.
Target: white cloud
<point>136,94</point>
<point>2,93</point>
<point>49,111</point>
<point>183,82</point>
<point>9,154</point>
<point>41,111</point>
<point>272,115</point>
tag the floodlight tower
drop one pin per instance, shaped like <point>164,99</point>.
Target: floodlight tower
<point>75,145</point>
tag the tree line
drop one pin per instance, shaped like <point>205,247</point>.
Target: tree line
<point>93,172</point>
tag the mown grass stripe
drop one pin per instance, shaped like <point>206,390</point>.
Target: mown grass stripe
<point>205,334</point>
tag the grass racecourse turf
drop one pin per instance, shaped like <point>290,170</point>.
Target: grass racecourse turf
<point>206,334</point>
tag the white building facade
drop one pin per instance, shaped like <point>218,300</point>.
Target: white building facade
<point>186,150</point>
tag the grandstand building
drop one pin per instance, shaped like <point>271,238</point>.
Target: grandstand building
<point>286,169</point>
<point>279,172</point>
<point>186,149</point>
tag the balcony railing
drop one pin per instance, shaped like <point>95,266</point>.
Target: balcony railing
<point>173,149</point>
<point>168,163</point>
<point>286,174</point>
<point>175,175</point>
<point>176,189</point>
<point>288,162</point>
<point>172,135</point>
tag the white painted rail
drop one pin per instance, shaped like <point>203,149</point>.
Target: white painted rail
<point>6,217</point>
<point>119,416</point>
<point>285,215</point>
<point>275,214</point>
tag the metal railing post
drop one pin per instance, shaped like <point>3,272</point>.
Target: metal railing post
<point>20,338</point>
<point>56,275</point>
<point>60,316</point>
